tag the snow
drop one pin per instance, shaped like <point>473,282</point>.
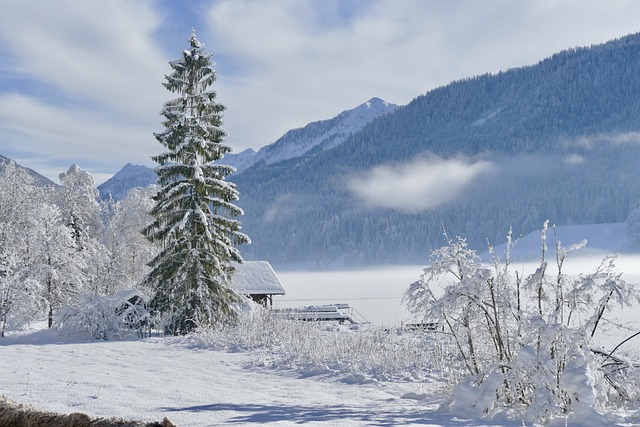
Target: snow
<point>130,171</point>
<point>376,293</point>
<point>166,377</point>
<point>256,277</point>
<point>324,134</point>
<point>195,385</point>
<point>242,160</point>
<point>481,121</point>
<point>128,177</point>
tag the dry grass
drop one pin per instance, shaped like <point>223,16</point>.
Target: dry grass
<point>16,415</point>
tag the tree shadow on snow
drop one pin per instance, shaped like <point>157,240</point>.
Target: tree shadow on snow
<point>332,414</point>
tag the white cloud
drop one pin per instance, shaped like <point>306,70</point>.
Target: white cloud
<point>600,139</point>
<point>71,135</point>
<point>88,84</point>
<point>281,63</point>
<point>300,61</point>
<point>419,185</point>
<point>92,51</point>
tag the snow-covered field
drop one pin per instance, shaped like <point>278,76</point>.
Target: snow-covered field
<point>154,378</point>
<point>377,292</point>
<point>194,385</point>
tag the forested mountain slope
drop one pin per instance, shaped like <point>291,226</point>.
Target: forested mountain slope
<point>558,140</point>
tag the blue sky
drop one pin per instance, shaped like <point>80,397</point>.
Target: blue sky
<point>81,81</point>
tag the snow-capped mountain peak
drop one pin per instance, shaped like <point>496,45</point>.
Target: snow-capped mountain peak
<point>376,103</point>
<point>320,135</point>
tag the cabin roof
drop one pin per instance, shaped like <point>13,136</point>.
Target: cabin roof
<point>256,278</point>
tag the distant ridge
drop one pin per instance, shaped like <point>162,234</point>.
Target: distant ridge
<point>557,140</point>
<point>130,176</point>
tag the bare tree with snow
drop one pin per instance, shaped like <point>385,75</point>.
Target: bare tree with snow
<point>526,342</point>
<point>128,250</point>
<point>78,202</point>
<point>40,264</point>
<point>20,295</point>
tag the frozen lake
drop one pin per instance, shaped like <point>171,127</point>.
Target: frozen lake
<point>376,293</point>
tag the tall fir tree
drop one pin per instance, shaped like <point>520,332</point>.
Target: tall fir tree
<point>194,210</point>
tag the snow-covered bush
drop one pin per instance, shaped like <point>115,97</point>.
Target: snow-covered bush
<point>525,342</point>
<point>356,353</point>
<point>102,317</point>
<point>135,317</point>
<point>94,317</point>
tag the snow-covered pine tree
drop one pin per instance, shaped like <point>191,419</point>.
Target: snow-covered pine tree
<point>194,210</point>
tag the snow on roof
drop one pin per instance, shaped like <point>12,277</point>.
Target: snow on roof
<point>256,277</point>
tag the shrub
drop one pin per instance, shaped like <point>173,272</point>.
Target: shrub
<point>103,318</point>
<point>526,342</point>
<point>357,353</point>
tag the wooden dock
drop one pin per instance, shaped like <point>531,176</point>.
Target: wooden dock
<point>341,313</point>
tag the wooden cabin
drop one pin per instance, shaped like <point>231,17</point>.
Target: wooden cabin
<point>258,281</point>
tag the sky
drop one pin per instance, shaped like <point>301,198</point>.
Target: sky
<point>81,82</point>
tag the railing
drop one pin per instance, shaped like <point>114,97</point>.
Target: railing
<point>332,312</point>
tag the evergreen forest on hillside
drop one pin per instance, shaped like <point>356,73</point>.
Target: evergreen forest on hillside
<point>562,138</point>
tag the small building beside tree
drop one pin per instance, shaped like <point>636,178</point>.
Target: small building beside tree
<point>258,281</point>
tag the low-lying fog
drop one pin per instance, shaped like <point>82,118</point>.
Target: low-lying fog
<point>376,293</point>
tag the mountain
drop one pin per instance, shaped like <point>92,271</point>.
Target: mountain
<point>557,140</point>
<point>321,135</point>
<point>39,179</point>
<point>130,176</point>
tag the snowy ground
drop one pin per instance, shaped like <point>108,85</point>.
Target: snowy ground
<point>376,293</point>
<point>159,377</point>
<point>194,386</point>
